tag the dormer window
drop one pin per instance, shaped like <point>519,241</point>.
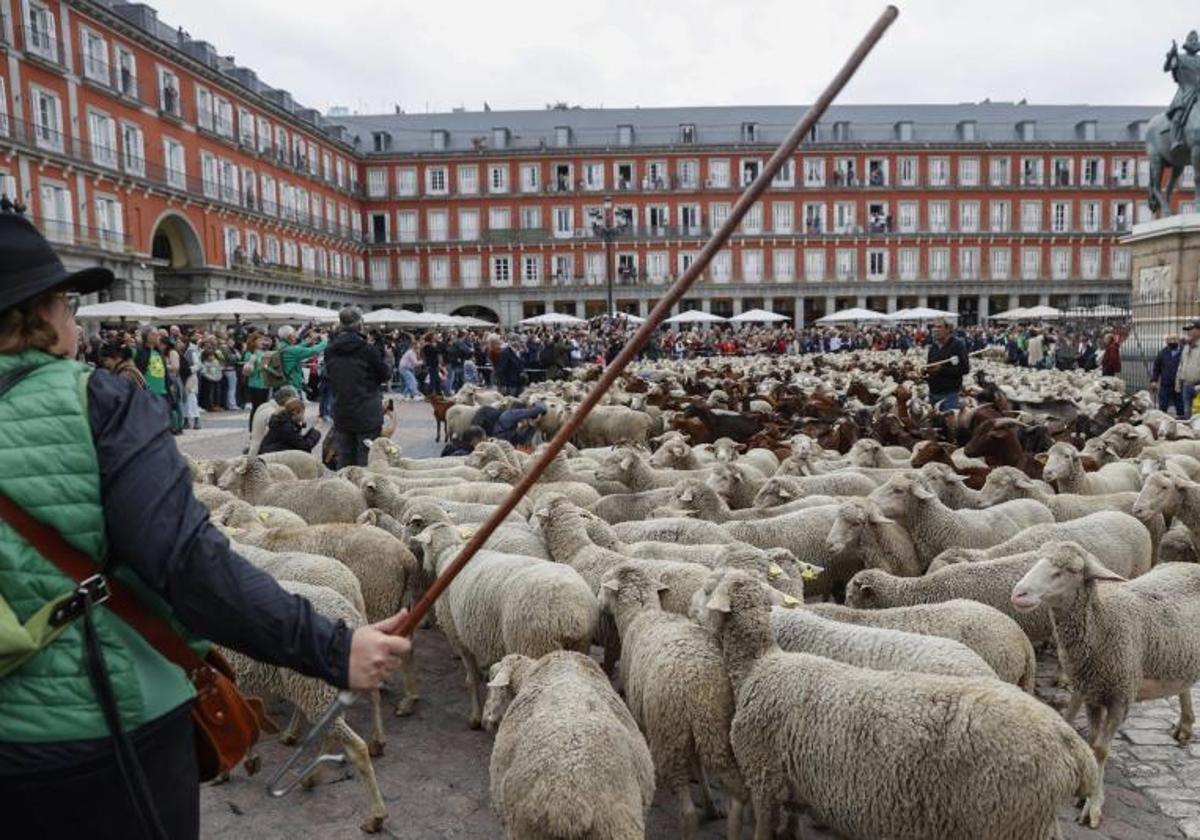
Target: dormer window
<point>624,135</point>
<point>440,139</point>
<point>749,132</point>
<point>499,138</point>
<point>841,132</point>
<point>381,141</point>
<point>967,131</point>
<point>562,136</point>
<point>904,131</point>
<point>687,134</point>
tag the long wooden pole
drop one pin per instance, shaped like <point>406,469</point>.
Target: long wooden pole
<point>656,316</point>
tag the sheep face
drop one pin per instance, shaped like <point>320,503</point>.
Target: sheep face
<point>1159,494</point>
<point>1004,484</point>
<point>865,590</point>
<point>617,466</point>
<point>1062,569</point>
<point>866,453</point>
<point>773,492</point>
<point>725,450</point>
<point>942,478</point>
<point>502,687</point>
<point>851,523</point>
<point>1061,461</point>
<point>899,492</point>
<point>673,453</point>
<point>724,480</point>
<point>629,584</point>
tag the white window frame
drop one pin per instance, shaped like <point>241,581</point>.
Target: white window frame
<point>408,226</point>
<point>939,216</point>
<point>968,216</point>
<point>1031,263</point>
<point>1060,263</point>
<point>133,155</point>
<point>432,174</point>
<point>999,171</point>
<point>468,231</point>
<point>939,171</point>
<point>437,224</point>
<point>409,273</point>
<point>531,269</point>
<point>58,226</point>
<point>498,174</point>
<point>470,271</point>
<point>718,174</point>
<point>968,172</point>
<point>1089,263</point>
<point>783,265</point>
<point>908,216</point>
<point>939,263</point>
<point>500,271</point>
<point>814,265</point>
<point>845,264</point>
<point>968,263</point>
<point>877,264</point>
<point>42,29</point>
<point>783,217</point>
<point>908,171</point>
<point>96,66</point>
<point>752,265</point>
<point>908,261</point>
<point>593,176</point>
<point>1000,216</point>
<point>103,149</point>
<point>1031,216</point>
<point>1060,216</point>
<point>50,137</point>
<point>531,177</point>
<point>1000,263</point>
<point>176,176</point>
<point>814,172</point>
<point>110,231</point>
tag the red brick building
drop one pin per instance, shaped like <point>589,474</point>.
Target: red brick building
<point>134,145</point>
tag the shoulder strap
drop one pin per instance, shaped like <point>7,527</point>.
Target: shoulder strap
<point>76,565</point>
<point>9,380</point>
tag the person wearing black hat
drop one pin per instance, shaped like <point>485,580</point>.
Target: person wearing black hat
<point>96,738</point>
<point>355,369</point>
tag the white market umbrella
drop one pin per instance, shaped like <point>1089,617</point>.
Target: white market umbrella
<point>468,321</point>
<point>304,312</point>
<point>219,310</point>
<point>1107,311</point>
<point>921,313</point>
<point>552,319</point>
<point>852,314</point>
<point>694,316</point>
<point>1044,313</point>
<point>633,319</point>
<point>758,316</point>
<point>118,310</point>
<point>1009,315</point>
<point>404,318</point>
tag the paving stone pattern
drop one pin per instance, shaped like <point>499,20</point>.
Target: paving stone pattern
<point>434,775</point>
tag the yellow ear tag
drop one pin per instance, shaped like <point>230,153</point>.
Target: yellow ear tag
<point>808,573</point>
<point>774,572</point>
<point>790,603</point>
<point>263,516</point>
<point>466,533</point>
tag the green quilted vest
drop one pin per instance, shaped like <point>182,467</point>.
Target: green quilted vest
<point>48,466</point>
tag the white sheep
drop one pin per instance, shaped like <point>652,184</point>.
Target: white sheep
<point>1064,469</point>
<point>317,501</point>
<point>302,464</point>
<point>241,514</point>
<point>568,760</point>
<point>782,489</point>
<point>861,537</point>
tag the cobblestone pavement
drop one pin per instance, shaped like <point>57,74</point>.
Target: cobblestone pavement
<point>434,775</point>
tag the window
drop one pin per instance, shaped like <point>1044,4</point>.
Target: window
<point>939,263</point>
<point>410,273</point>
<point>439,272</point>
<point>721,267</point>
<point>909,261</point>
<point>968,263</point>
<point>1001,263</point>
<point>749,132</point>
<point>845,172</point>
<point>594,267</point>
<point>1093,172</point>
<point>624,135</point>
<point>718,174</point>
<point>47,116</point>
<point>877,265</point>
<point>1089,263</point>
<point>246,133</point>
<point>656,175</point>
<point>42,39</point>
<point>272,253</point>
<point>939,216</point>
<point>327,166</point>
<point>968,216</point>
<point>210,180</point>
<point>689,174</point>
<point>1060,216</point>
<point>999,171</point>
<point>109,224</point>
<point>468,224</point>
<point>752,222</point>
<point>1090,216</point>
<point>968,172</point>
<point>1031,263</point>
<point>531,218</point>
<point>782,213</point>
<point>57,214</point>
<point>845,263</point>
<point>783,265</point>
<point>814,265</point>
<point>752,266</point>
<point>564,222</point>
<point>269,201</point>
<point>786,176</point>
<point>814,218</point>
<point>843,217</point>
<point>1123,172</point>
<point>436,180</point>
<point>377,182</point>
<point>939,172</point>
<point>501,271</point>
<point>174,163</point>
<point>102,133</point>
<point>438,222</point>
<point>814,172</point>
<point>877,174</point>
<point>133,149</point>
<point>718,212</point>
<point>1031,172</point>
<point>1122,215</point>
<point>684,260</point>
<point>593,176</point>
<point>229,185</point>
<point>531,270</point>
<point>264,136</point>
<point>1060,263</point>
<point>906,171</point>
<point>1119,259</point>
<point>204,108</point>
<point>564,269</point>
<point>1062,171</point>
<point>469,272</point>
<point>95,57</point>
<point>381,141</point>
<point>1031,216</point>
<point>498,178</point>
<point>1000,216</point>
<point>498,218</point>
<point>406,226</point>
<point>907,216</point>
<point>406,180</point>
<point>530,177</point>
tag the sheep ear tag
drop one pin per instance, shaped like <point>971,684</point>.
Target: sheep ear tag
<point>809,573</point>
<point>789,602</point>
<point>466,533</point>
<point>774,572</point>
<point>263,516</point>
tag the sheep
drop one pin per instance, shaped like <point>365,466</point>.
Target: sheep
<point>677,689</point>
<point>419,514</point>
<point>303,465</point>
<point>1064,469</point>
<point>935,527</point>
<point>382,564</point>
<point>951,487</point>
<point>868,452</point>
<point>1118,539</point>
<point>581,494</point>
<point>240,514</point>
<point>475,492</point>
<point>727,450</point>
<point>629,467</point>
<point>989,582</point>
<point>1121,641</point>
<point>781,489</point>
<point>694,497</point>
<point>675,454</point>
<point>607,425</point>
<point>1177,546</point>
<point>802,532</point>
<point>863,538</point>
<point>212,497</point>
<point>997,639</point>
<point>738,484</point>
<point>311,696</point>
<point>1169,495</point>
<point>1184,465</point>
<point>859,747</point>
<point>505,603</point>
<point>384,453</point>
<point>568,759</point>
<point>631,507</point>
<point>317,501</point>
<point>680,530</point>
<point>458,419</point>
<point>489,451</point>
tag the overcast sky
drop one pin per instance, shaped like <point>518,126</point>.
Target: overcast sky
<point>371,55</point>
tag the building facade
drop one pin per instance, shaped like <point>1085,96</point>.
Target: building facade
<point>134,145</point>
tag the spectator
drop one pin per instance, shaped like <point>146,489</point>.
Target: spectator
<point>292,354</point>
<point>516,425</point>
<point>510,370</point>
<point>409,389</point>
<point>946,365</point>
<point>150,363</point>
<point>116,359</point>
<point>356,370</point>
<point>1110,362</point>
<point>285,430</point>
<point>433,352</point>
<point>1162,376</point>
<point>252,370</point>
<point>261,418</point>
<point>465,444</point>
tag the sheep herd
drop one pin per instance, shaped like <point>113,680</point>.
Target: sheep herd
<point>787,583</point>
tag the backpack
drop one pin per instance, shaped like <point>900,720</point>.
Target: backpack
<point>185,368</point>
<point>272,368</point>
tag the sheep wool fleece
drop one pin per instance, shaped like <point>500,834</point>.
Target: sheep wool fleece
<point>48,466</point>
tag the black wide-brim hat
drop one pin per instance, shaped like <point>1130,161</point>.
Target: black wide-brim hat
<point>30,268</point>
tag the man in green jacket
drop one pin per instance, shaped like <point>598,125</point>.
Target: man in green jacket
<point>293,354</point>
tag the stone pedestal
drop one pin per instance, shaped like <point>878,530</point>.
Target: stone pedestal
<point>1165,275</point>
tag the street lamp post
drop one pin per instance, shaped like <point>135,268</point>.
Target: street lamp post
<point>608,229</point>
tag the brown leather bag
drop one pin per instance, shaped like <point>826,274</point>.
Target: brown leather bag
<point>227,723</point>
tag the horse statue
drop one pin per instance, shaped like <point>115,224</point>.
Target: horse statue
<point>1173,136</point>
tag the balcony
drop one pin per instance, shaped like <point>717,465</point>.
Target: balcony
<point>69,233</point>
<point>42,47</point>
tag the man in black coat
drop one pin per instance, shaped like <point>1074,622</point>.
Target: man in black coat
<point>946,366</point>
<point>511,369</point>
<point>355,369</point>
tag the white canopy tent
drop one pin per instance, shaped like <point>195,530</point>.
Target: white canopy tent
<point>852,315</point>
<point>469,322</point>
<point>304,312</point>
<point>922,313</point>
<point>694,316</point>
<point>229,309</point>
<point>633,319</point>
<point>408,318</point>
<point>552,319</point>
<point>118,310</point>
<point>1042,313</point>
<point>1106,311</point>
<point>1009,315</point>
<point>758,316</point>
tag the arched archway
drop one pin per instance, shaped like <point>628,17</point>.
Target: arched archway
<point>475,311</point>
<point>175,240</point>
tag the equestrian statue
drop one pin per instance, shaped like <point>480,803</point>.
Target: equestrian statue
<point>1173,137</point>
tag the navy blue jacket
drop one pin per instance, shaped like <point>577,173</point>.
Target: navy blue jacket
<point>355,370</point>
<point>1166,365</point>
<point>506,426</point>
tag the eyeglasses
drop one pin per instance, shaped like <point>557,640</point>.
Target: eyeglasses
<point>70,300</point>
